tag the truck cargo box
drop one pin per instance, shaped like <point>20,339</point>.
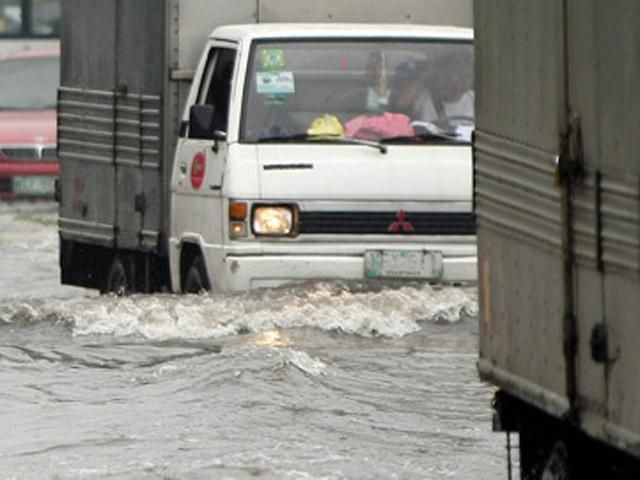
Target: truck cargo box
<point>557,195</point>
<point>126,68</point>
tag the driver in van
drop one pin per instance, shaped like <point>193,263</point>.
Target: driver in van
<point>408,84</point>
<point>439,90</point>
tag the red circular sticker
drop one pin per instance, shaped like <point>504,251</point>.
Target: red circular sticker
<point>197,170</point>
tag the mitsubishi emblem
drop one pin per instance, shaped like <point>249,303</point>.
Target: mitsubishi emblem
<point>401,225</point>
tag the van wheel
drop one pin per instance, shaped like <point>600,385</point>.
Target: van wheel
<point>196,279</point>
<point>117,280</point>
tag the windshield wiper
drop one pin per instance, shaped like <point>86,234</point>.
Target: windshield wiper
<point>425,136</point>
<point>323,138</point>
<point>358,141</point>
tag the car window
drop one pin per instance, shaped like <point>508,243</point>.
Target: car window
<point>10,17</point>
<point>45,20</point>
<point>217,85</point>
<point>31,18</point>
<point>29,83</point>
<point>372,90</point>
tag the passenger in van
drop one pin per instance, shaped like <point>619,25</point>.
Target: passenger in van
<point>438,90</point>
<point>449,90</point>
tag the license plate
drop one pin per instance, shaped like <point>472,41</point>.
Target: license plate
<point>34,185</point>
<point>403,264</point>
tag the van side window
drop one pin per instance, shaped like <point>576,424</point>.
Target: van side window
<point>216,88</point>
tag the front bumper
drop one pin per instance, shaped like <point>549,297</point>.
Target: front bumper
<point>259,271</point>
<point>27,179</point>
<point>245,266</point>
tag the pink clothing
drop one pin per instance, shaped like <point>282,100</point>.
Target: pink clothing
<point>376,127</point>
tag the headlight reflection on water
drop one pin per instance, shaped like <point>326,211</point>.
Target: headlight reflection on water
<point>272,338</point>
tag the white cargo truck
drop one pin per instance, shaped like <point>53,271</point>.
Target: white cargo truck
<point>264,152</point>
<point>557,196</point>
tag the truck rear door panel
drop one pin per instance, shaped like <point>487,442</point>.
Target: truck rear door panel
<point>603,63</point>
<point>139,84</point>
<point>563,74</point>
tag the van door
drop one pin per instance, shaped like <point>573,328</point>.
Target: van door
<point>202,149</point>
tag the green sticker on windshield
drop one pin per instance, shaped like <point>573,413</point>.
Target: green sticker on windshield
<point>272,58</point>
<point>275,83</point>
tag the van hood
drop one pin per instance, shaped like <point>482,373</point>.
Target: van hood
<point>18,127</point>
<point>359,172</point>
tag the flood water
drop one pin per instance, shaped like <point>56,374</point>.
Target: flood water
<point>325,380</point>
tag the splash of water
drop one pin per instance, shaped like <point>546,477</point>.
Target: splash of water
<point>330,306</point>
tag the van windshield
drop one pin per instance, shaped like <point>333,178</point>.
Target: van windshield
<point>384,91</point>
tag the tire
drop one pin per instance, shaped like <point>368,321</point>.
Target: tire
<point>117,280</point>
<point>196,279</point>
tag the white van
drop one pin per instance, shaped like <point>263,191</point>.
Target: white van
<point>325,151</point>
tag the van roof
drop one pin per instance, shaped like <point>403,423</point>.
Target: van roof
<point>340,30</point>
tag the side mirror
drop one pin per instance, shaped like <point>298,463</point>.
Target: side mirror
<point>201,119</point>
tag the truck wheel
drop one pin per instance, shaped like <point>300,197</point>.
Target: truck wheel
<point>117,280</point>
<point>196,279</point>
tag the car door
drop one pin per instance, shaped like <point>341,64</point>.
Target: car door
<point>202,150</point>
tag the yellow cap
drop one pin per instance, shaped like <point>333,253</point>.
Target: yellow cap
<point>328,125</point>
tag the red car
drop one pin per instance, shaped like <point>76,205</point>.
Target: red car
<point>28,93</point>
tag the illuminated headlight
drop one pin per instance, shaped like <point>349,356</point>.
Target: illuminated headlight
<point>273,220</point>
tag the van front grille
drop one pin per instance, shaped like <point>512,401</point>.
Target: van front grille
<point>28,153</point>
<point>407,223</point>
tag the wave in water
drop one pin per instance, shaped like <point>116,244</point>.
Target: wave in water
<point>331,306</point>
